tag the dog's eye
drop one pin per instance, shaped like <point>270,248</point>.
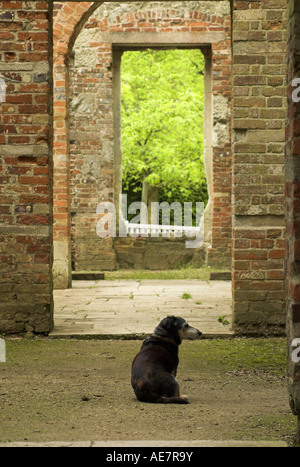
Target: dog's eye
<point>186,325</point>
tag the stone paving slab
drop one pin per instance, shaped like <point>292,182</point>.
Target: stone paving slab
<point>131,307</point>
<point>150,443</point>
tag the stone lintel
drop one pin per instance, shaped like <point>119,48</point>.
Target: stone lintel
<point>160,39</point>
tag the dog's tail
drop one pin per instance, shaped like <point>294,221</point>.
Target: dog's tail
<point>173,400</point>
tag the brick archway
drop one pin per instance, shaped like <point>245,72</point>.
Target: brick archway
<point>179,25</point>
<point>68,19</point>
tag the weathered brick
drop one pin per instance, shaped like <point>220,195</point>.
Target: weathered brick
<point>18,157</point>
<point>33,219</point>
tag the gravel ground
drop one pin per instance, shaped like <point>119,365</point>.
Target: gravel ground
<point>72,390</point>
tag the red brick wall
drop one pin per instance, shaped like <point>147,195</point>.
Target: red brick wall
<point>25,168</point>
<point>219,255</point>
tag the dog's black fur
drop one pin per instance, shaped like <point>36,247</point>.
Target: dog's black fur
<point>155,366</point>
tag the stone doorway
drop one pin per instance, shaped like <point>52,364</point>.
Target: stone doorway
<point>152,251</point>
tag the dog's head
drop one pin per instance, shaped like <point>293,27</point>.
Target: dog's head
<point>177,329</point>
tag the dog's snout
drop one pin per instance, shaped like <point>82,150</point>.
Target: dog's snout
<point>198,333</point>
<point>192,333</point>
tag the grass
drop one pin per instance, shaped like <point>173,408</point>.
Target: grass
<point>221,354</point>
<point>186,272</point>
<point>186,296</point>
<point>240,354</point>
<point>223,320</point>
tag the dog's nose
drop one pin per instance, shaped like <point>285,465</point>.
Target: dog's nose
<point>199,333</point>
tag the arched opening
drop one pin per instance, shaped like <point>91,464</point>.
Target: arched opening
<point>95,71</point>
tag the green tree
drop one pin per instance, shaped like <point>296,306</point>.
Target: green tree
<point>162,125</point>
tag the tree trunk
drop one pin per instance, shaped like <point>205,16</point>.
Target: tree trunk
<point>149,196</point>
<point>153,211</point>
<point>144,217</point>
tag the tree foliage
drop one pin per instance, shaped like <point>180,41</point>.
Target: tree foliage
<point>162,123</point>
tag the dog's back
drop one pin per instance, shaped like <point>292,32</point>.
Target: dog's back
<point>154,369</point>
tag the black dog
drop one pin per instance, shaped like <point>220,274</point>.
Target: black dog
<point>154,367</point>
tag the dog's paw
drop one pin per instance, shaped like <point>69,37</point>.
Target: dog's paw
<point>184,399</point>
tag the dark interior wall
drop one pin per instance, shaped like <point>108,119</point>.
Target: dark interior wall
<point>292,187</point>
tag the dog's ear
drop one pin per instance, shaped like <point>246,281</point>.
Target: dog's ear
<point>170,321</point>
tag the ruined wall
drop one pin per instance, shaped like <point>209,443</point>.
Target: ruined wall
<point>157,253</point>
<point>94,165</point>
<point>259,113</point>
<point>292,184</point>
<point>25,168</point>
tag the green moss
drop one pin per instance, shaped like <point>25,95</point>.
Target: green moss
<point>213,354</point>
<point>186,272</point>
<point>240,353</point>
